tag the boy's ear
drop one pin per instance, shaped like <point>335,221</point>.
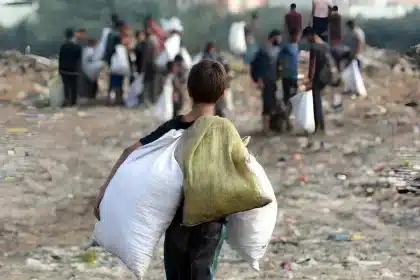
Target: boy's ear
<point>246,140</point>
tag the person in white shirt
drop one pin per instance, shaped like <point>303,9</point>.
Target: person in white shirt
<point>321,10</point>
<point>357,41</point>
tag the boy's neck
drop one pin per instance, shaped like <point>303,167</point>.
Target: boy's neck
<point>199,110</point>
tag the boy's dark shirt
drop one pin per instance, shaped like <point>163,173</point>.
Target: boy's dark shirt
<point>69,58</point>
<point>139,52</point>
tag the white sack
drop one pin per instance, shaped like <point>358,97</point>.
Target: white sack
<point>173,46</point>
<point>172,24</point>
<point>250,232</point>
<point>100,49</point>
<point>237,40</point>
<point>228,99</point>
<point>165,107</point>
<point>172,49</point>
<point>197,58</point>
<point>140,203</point>
<point>56,90</point>
<point>90,66</point>
<point>186,57</point>
<point>136,89</point>
<point>120,63</point>
<point>352,79</point>
<point>303,110</point>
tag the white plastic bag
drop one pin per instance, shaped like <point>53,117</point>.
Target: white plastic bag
<point>228,99</point>
<point>352,79</point>
<point>56,90</point>
<point>250,232</point>
<point>165,106</point>
<point>173,46</point>
<point>136,89</point>
<point>172,24</point>
<point>140,203</point>
<point>303,110</point>
<point>100,48</point>
<point>237,40</point>
<point>90,66</point>
<point>186,57</point>
<point>197,58</point>
<point>120,63</point>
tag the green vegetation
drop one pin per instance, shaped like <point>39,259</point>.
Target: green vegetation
<point>201,24</point>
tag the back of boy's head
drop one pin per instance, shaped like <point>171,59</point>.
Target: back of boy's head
<point>207,82</point>
<point>335,8</point>
<point>92,42</point>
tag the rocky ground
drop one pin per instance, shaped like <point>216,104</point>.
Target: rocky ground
<point>361,179</point>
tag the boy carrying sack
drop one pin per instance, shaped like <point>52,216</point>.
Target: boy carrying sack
<point>192,243</point>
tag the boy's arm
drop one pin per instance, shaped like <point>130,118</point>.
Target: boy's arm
<point>114,169</point>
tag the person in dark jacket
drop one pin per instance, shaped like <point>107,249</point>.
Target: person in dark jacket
<point>317,61</point>
<point>265,73</point>
<point>69,62</point>
<point>139,49</point>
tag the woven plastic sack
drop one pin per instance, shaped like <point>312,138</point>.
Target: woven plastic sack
<point>237,40</point>
<point>250,232</point>
<point>56,90</point>
<point>303,110</point>
<point>120,63</point>
<point>140,202</point>
<point>217,180</point>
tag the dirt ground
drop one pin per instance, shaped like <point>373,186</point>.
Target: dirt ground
<point>54,161</point>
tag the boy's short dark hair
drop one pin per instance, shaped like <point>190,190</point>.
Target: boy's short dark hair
<point>308,31</point>
<point>254,15</point>
<point>293,6</point>
<point>351,24</point>
<point>69,33</point>
<point>207,82</point>
<point>335,8</point>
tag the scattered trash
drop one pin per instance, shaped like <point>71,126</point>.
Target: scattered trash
<point>89,258</point>
<point>17,130</point>
<point>345,237</point>
<point>341,176</point>
<point>286,266</point>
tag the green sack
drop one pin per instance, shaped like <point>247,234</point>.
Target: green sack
<point>217,181</point>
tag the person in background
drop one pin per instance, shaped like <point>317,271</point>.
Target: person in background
<point>357,41</point>
<point>289,57</point>
<point>189,252</point>
<point>114,38</point>
<point>293,20</point>
<point>335,27</point>
<point>117,81</point>
<point>149,68</point>
<point>317,61</point>
<point>88,54</point>
<point>210,53</point>
<point>179,83</point>
<point>139,49</point>
<point>80,36</point>
<point>321,10</point>
<point>264,72</point>
<point>251,28</point>
<point>69,62</point>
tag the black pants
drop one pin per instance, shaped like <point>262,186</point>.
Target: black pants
<point>269,98</point>
<point>70,84</point>
<point>191,252</point>
<point>92,89</point>
<point>318,110</point>
<point>152,89</point>
<point>289,89</point>
<point>320,25</point>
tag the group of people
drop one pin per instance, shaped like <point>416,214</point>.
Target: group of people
<point>192,252</point>
<point>278,58</point>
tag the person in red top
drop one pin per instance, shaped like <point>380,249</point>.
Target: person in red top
<point>293,21</point>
